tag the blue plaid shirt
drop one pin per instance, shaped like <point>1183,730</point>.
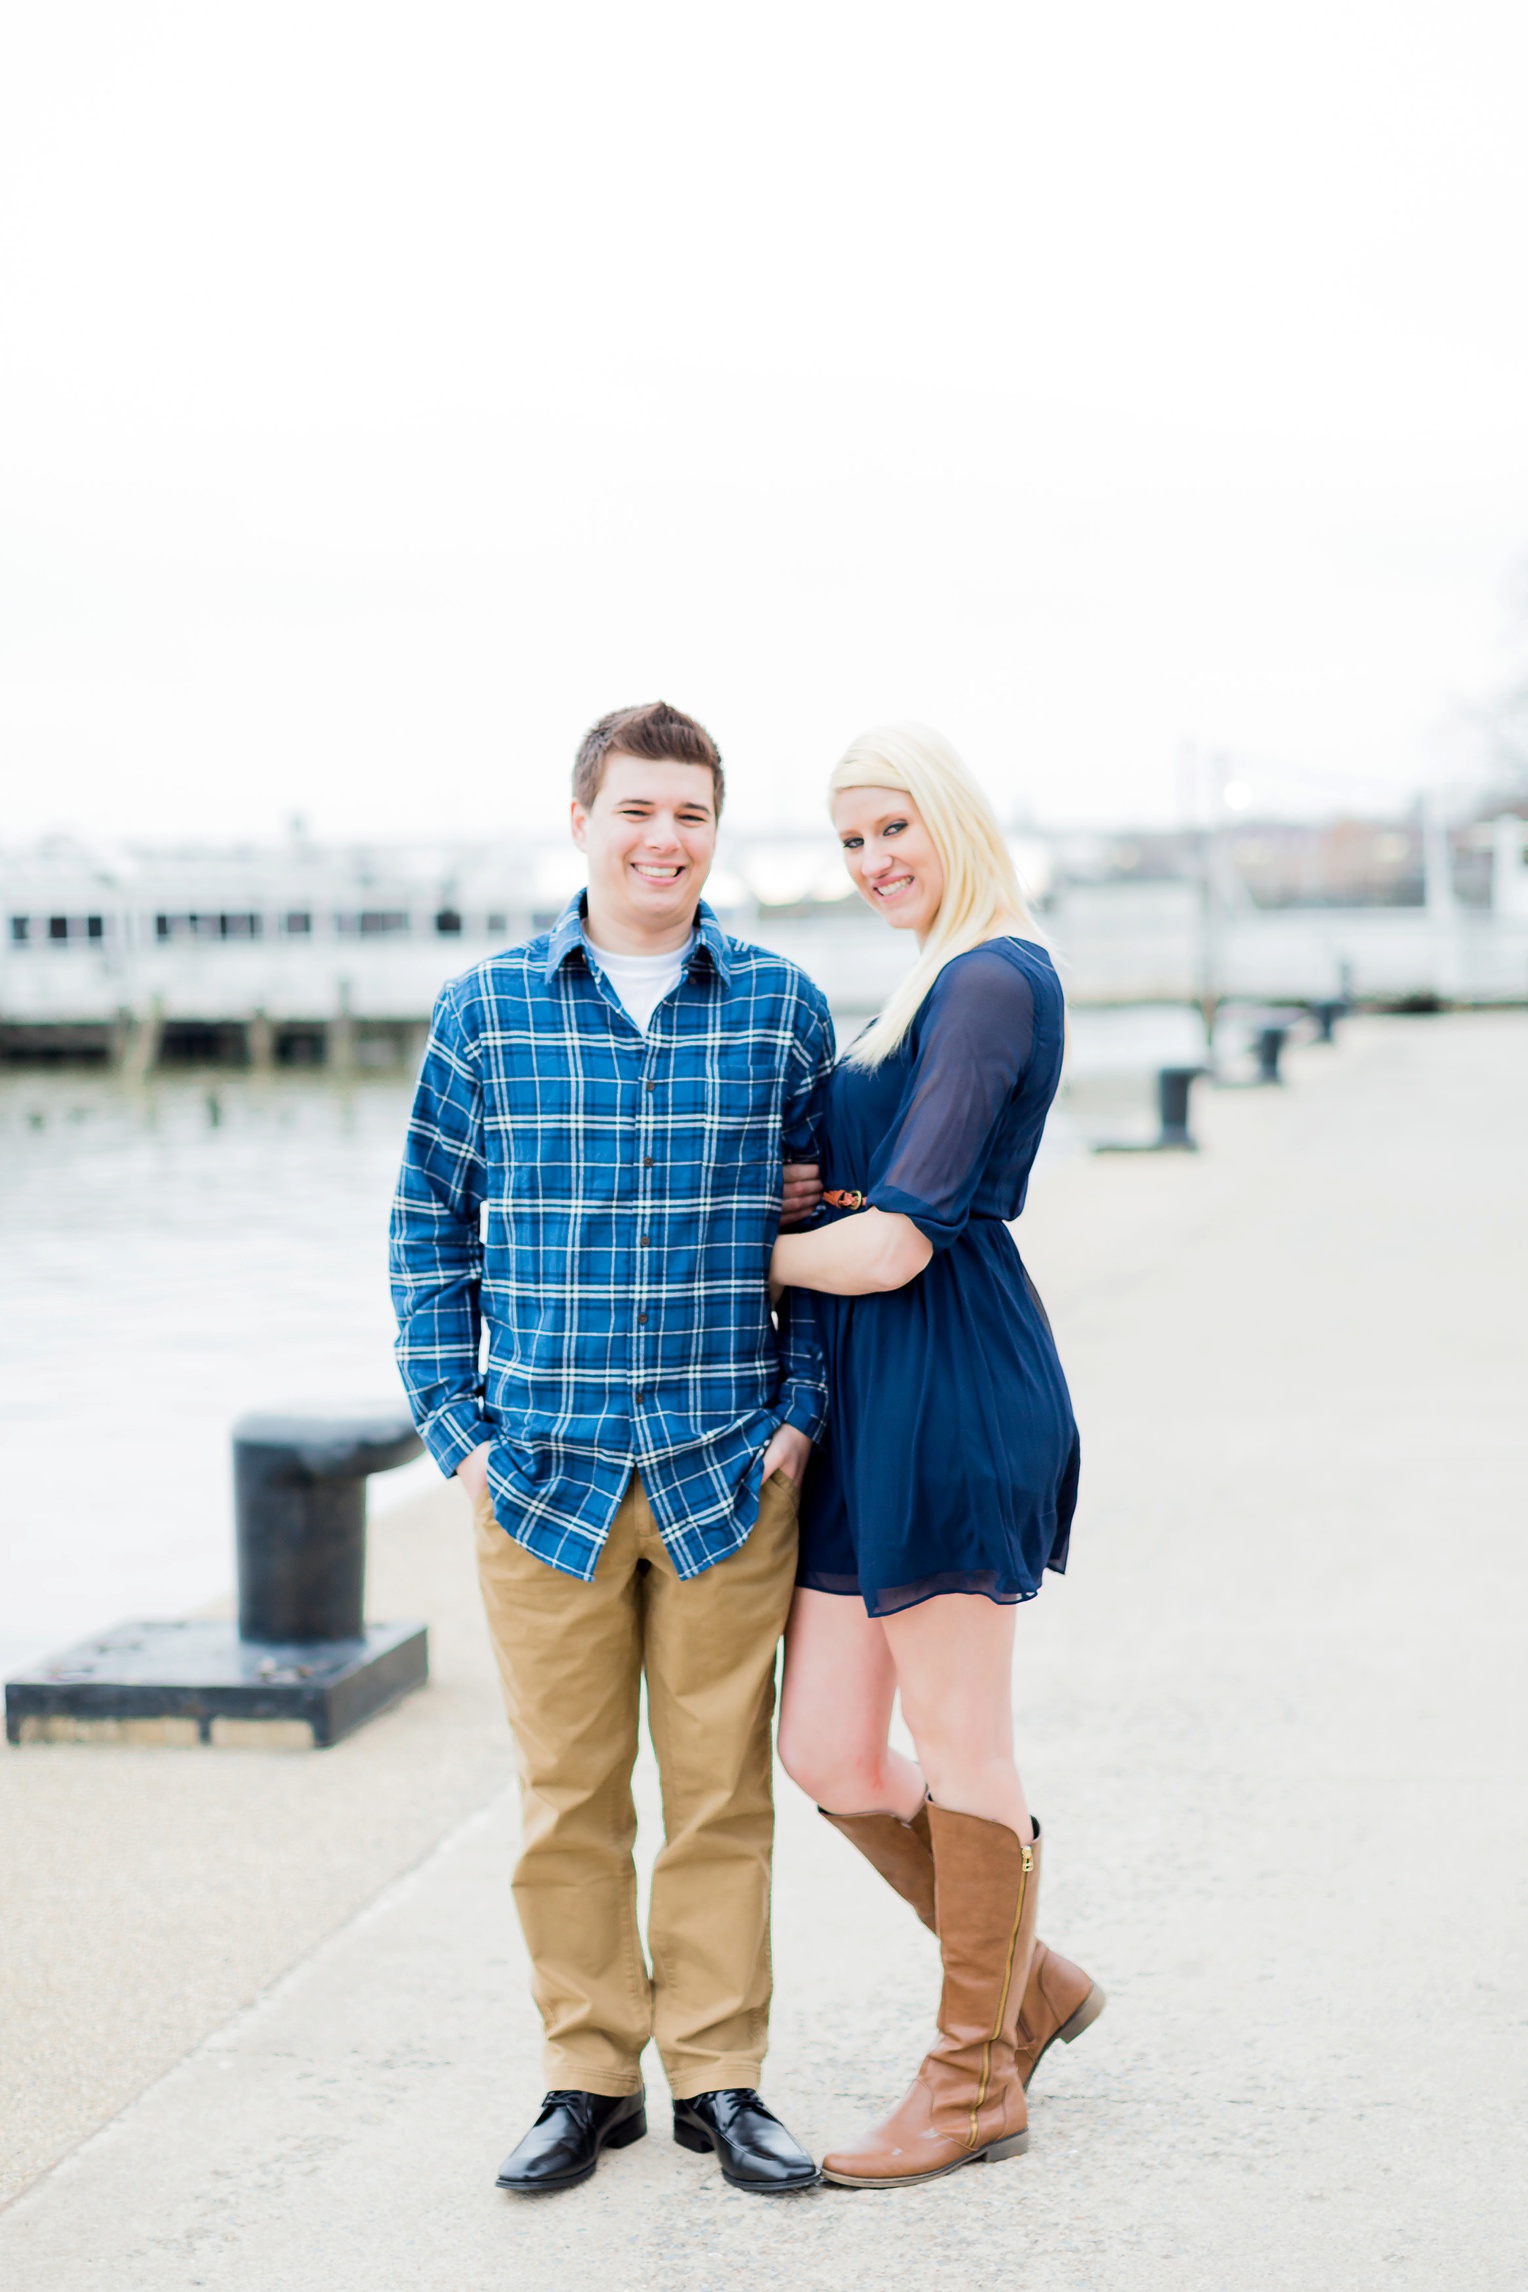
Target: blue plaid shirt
<point>604,1203</point>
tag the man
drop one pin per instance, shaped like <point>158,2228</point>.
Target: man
<point>593,1178</point>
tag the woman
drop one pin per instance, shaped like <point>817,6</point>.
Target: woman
<point>945,1482</point>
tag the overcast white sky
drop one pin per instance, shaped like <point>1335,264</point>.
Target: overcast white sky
<point>390,390</point>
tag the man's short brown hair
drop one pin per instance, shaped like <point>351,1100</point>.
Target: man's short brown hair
<point>654,731</point>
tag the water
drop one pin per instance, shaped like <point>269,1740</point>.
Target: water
<point>176,1253</point>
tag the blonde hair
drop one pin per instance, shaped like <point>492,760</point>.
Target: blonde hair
<point>981,885</point>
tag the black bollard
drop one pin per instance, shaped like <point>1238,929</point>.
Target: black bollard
<point>300,1514</point>
<point>304,1668</point>
<point>1173,1086</point>
<point>1270,1044</point>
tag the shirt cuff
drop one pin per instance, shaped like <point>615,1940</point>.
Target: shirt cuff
<point>806,1407</point>
<point>454,1432</point>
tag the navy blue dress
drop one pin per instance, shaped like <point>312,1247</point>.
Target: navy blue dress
<point>949,1461</point>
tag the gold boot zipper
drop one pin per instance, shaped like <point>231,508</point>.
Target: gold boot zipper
<point>1027,1863</point>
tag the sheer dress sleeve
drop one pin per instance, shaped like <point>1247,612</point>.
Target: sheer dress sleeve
<point>973,1044</point>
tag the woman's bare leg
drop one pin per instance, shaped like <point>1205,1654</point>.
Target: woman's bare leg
<point>835,1710</point>
<point>953,1657</point>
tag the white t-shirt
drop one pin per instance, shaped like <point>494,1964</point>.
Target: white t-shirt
<point>642,981</point>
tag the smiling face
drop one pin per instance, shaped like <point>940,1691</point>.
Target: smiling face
<point>890,855</point>
<point>651,836</point>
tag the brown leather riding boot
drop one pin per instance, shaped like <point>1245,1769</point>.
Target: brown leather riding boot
<point>1060,2000</point>
<point>966,2104</point>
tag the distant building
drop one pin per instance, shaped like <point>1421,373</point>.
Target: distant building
<point>301,953</point>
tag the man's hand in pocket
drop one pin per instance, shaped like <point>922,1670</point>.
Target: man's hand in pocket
<point>789,1452</point>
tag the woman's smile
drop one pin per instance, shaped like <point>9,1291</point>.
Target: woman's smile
<point>892,886</point>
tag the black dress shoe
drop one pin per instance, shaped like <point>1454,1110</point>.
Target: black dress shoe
<point>755,2149</point>
<point>563,2147</point>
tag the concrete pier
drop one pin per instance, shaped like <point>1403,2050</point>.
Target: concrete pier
<point>266,2020</point>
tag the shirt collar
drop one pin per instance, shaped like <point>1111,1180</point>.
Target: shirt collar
<point>568,934</point>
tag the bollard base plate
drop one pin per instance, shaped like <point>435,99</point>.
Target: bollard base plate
<point>182,1684</point>
<point>1162,1145</point>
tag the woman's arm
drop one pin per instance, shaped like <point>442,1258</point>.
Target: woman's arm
<point>853,1257</point>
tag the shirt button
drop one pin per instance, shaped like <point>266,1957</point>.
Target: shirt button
<point>647,1161</point>
<point>652,1086</point>
<point>645,1242</point>
<point>642,1317</point>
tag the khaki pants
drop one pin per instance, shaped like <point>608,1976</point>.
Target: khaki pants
<point>571,1657</point>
